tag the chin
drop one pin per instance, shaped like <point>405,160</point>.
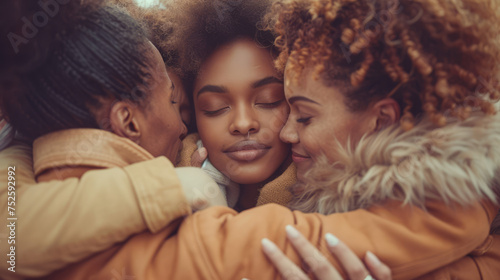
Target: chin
<point>248,180</point>
<point>246,173</point>
<point>251,177</point>
<point>301,171</point>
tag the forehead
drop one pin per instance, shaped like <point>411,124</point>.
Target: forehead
<point>311,85</point>
<point>237,60</point>
<point>297,83</point>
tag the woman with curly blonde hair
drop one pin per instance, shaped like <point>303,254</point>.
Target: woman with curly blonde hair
<point>427,70</point>
<point>392,100</point>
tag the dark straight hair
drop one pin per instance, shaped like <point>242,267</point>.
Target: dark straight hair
<point>98,52</point>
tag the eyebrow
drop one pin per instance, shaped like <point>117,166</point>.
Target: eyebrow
<point>301,98</point>
<point>211,88</point>
<point>266,81</point>
<point>257,84</point>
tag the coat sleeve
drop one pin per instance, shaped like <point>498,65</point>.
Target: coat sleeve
<point>480,264</point>
<point>218,243</point>
<point>61,222</point>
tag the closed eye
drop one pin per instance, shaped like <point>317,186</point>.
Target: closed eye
<point>304,120</point>
<point>214,112</point>
<point>270,105</point>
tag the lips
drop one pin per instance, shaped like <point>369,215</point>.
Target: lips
<point>297,158</point>
<point>247,150</point>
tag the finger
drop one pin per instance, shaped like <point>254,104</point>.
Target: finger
<point>283,264</point>
<point>352,265</point>
<point>377,269</point>
<point>198,157</point>
<point>318,264</point>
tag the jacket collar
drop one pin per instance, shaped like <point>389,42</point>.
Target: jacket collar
<point>83,147</point>
<point>457,163</point>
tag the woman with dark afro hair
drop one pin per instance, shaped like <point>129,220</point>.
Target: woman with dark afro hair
<point>237,95</point>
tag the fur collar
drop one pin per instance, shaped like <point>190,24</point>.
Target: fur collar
<point>456,163</point>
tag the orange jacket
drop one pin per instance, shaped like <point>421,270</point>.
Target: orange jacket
<point>480,264</point>
<point>218,243</point>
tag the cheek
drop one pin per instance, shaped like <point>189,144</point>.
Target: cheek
<point>280,117</point>
<point>174,125</point>
<point>213,141</point>
<point>212,132</point>
<point>317,138</point>
<point>172,133</point>
<point>272,122</point>
<point>208,128</point>
<point>313,140</point>
<point>323,140</point>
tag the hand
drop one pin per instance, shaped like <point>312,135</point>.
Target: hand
<point>201,191</point>
<point>198,157</point>
<point>371,269</point>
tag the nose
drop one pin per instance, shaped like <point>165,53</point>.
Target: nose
<point>288,133</point>
<point>245,121</point>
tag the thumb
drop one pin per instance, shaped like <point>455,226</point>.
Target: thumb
<point>198,157</point>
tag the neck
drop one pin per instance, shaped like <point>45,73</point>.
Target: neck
<point>248,196</point>
<point>249,193</point>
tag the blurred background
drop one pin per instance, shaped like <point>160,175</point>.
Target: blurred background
<point>147,3</point>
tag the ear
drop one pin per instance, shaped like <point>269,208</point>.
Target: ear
<point>124,123</point>
<point>387,113</point>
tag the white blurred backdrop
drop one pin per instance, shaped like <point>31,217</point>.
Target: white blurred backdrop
<point>147,3</point>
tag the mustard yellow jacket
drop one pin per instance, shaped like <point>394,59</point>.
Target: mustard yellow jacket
<point>66,219</point>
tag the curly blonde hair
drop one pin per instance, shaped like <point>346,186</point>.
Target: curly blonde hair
<point>432,56</point>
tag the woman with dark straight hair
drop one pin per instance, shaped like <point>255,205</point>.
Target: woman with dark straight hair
<point>90,92</point>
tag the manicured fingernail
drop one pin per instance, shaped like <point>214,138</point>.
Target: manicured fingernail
<point>373,259</point>
<point>331,240</point>
<point>245,279</point>
<point>292,232</point>
<point>203,152</point>
<point>267,245</point>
